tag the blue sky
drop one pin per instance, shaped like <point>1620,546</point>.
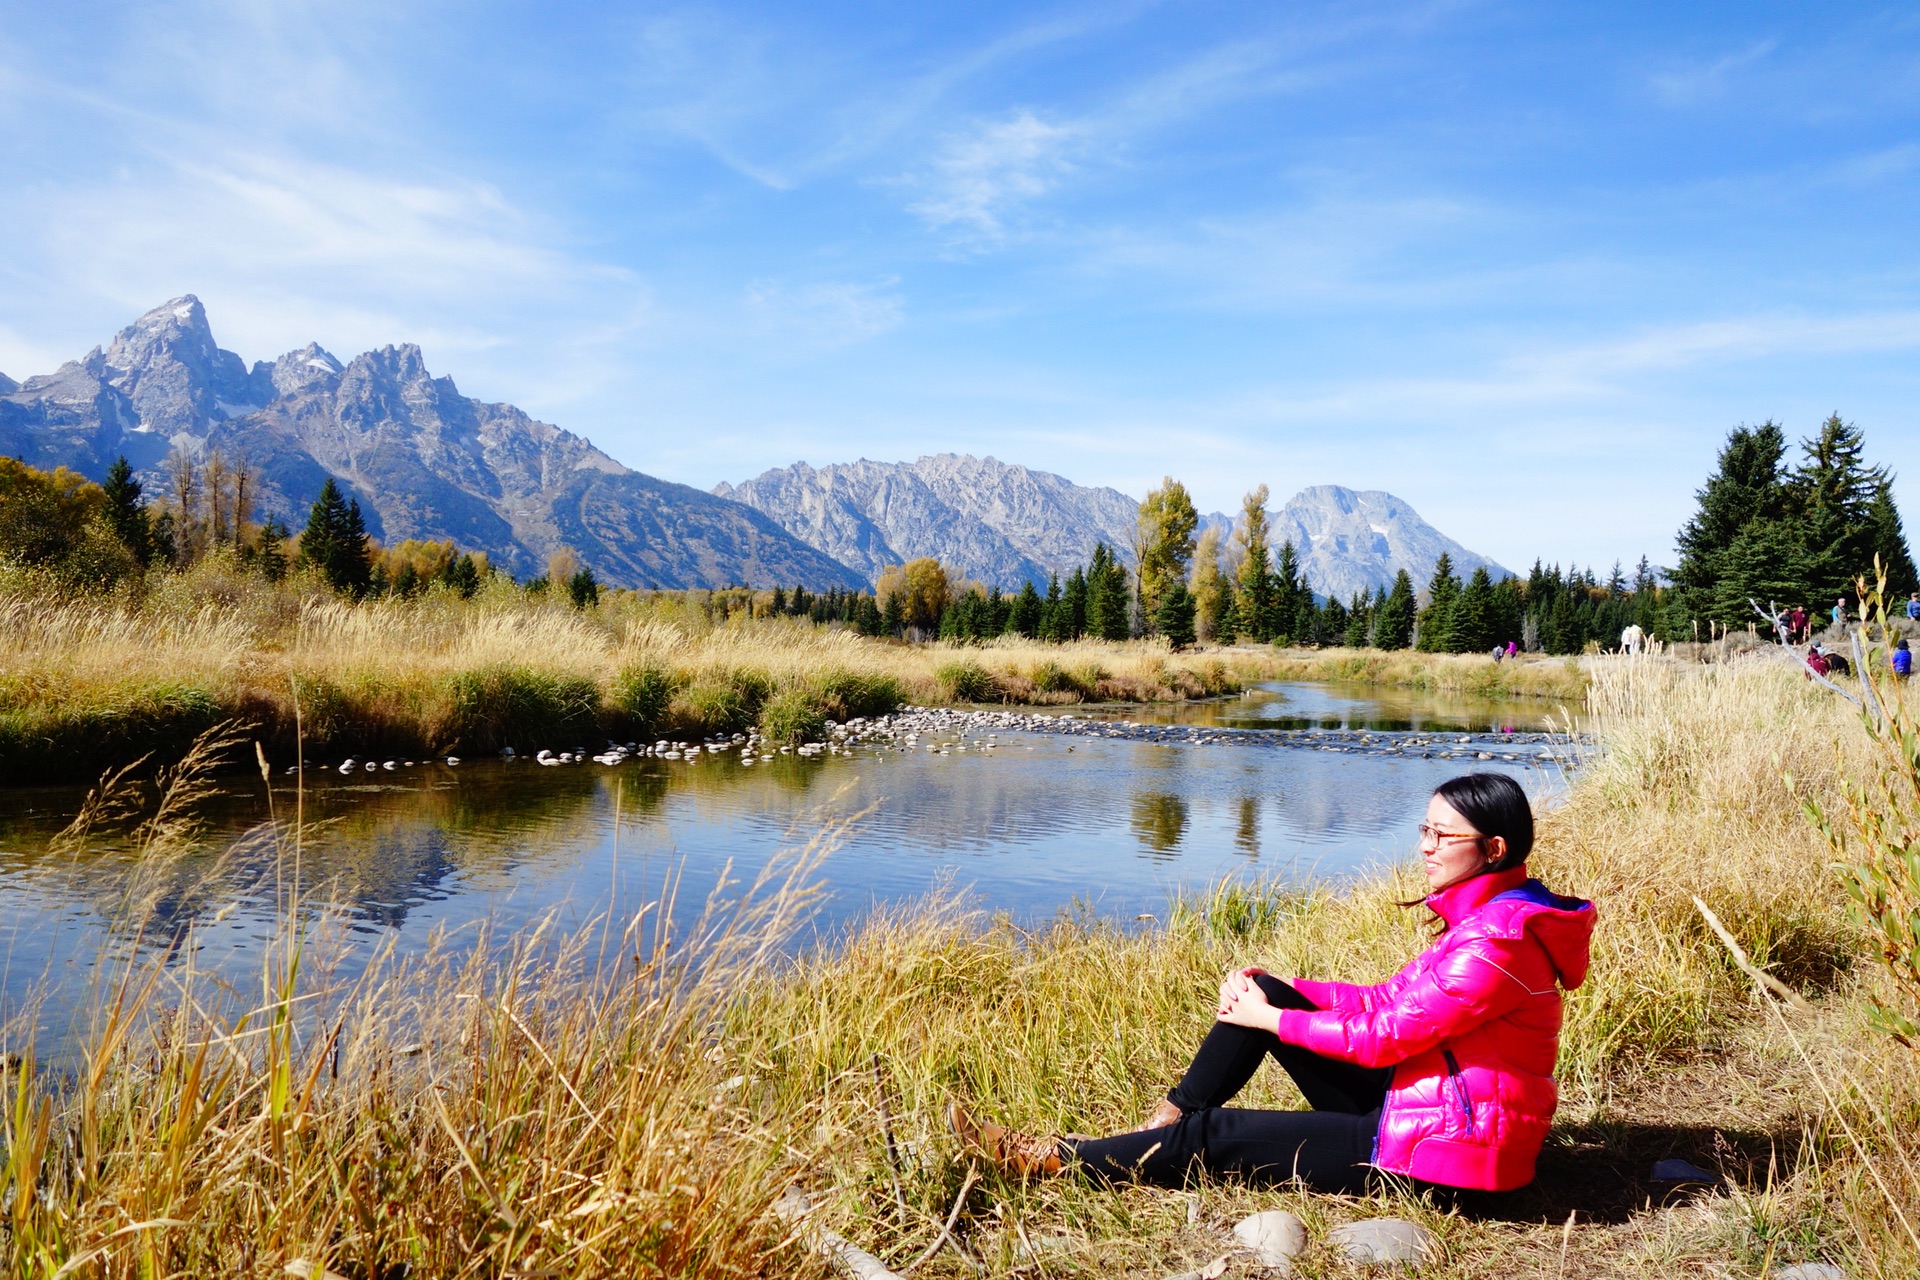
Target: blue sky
<point>1522,265</point>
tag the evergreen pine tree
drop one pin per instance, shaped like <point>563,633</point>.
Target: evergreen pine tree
<point>355,556</point>
<point>1051,613</point>
<point>1331,624</point>
<point>1174,618</point>
<point>271,558</point>
<point>126,514</point>
<point>1101,610</point>
<point>1436,619</point>
<point>1393,626</point>
<point>1834,489</point>
<point>1470,623</point>
<point>893,619</point>
<point>1748,485</point>
<point>1889,540</point>
<point>1232,624</point>
<point>1025,615</point>
<point>1359,621</point>
<point>1289,623</point>
<point>1073,606</point>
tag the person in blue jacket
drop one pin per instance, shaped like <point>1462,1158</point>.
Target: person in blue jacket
<point>1902,659</point>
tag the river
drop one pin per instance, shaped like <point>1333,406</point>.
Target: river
<point>1109,810</point>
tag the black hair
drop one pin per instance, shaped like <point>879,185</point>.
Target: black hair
<point>1496,806</point>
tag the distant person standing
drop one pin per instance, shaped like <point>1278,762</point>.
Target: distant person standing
<point>1913,607</point>
<point>1797,624</point>
<point>1631,638</point>
<point>1840,612</point>
<point>1512,648</point>
<point>1902,659</point>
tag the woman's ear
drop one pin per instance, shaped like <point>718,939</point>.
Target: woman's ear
<point>1496,850</point>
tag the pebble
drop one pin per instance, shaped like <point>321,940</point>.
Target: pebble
<point>1809,1271</point>
<point>1275,1236</point>
<point>1392,1240</point>
<point>1677,1170</point>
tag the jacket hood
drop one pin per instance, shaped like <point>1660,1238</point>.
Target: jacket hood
<point>1506,904</point>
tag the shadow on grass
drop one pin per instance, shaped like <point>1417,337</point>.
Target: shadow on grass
<point>1604,1170</point>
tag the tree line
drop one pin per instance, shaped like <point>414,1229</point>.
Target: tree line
<point>1785,535</point>
<point>1764,529</point>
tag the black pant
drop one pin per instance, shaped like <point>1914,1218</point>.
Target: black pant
<point>1328,1148</point>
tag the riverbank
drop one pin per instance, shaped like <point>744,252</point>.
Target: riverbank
<point>508,1114</point>
<point>1477,675</point>
<point>90,685</point>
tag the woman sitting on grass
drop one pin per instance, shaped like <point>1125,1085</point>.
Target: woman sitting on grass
<point>1443,1074</point>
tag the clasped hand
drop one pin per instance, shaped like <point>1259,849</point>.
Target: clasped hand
<point>1244,1004</point>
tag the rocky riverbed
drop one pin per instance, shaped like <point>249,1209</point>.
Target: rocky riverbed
<point>946,731</point>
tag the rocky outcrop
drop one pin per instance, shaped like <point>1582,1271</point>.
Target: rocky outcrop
<point>995,522</point>
<point>423,460</point>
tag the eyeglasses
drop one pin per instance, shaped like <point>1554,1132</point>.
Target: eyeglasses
<point>1429,832</point>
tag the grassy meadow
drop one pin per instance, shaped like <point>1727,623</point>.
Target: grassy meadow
<point>614,1102</point>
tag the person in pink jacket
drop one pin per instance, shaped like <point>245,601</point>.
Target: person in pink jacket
<point>1442,1074</point>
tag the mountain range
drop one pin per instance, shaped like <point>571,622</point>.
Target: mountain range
<point>1003,524</point>
<point>422,460</point>
<point>426,462</point>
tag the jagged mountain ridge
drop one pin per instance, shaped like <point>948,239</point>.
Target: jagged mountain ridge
<point>1004,525</point>
<point>996,522</point>
<point>423,460</point>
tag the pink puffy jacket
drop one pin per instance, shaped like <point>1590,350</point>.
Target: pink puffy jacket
<point>1470,1028</point>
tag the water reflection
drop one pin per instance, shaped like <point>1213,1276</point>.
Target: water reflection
<point>1159,820</point>
<point>1302,705</point>
<point>1035,824</point>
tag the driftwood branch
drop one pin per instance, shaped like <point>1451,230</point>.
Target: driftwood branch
<point>946,1232</point>
<point>849,1258</point>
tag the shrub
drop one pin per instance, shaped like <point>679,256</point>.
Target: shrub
<point>967,682</point>
<point>642,695</point>
<point>1087,677</point>
<point>842,695</point>
<point>42,741</point>
<point>792,717</point>
<point>1050,677</point>
<point>512,706</point>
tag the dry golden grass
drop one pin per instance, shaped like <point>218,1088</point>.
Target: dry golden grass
<point>1476,674</point>
<point>604,1105</point>
<point>86,684</point>
<point>1667,1050</point>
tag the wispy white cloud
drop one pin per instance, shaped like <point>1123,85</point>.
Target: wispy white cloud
<point>825,314</point>
<point>978,180</point>
<point>1689,84</point>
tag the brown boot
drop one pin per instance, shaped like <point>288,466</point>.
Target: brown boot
<point>1016,1153</point>
<point>1163,1114</point>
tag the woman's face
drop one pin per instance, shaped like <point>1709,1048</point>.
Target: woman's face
<point>1452,850</point>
